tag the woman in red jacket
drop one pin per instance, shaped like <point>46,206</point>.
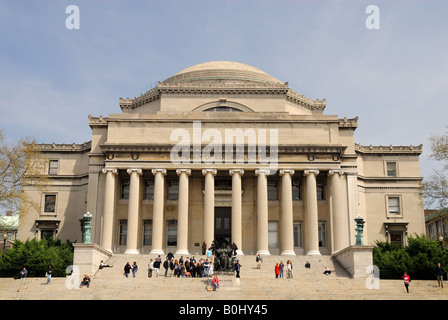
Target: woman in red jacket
<point>407,280</point>
<point>277,270</point>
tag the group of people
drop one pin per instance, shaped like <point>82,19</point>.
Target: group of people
<point>280,268</point>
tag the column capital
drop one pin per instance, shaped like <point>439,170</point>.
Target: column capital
<point>187,171</point>
<point>332,172</point>
<point>136,170</point>
<point>233,171</point>
<point>286,171</point>
<point>155,171</point>
<point>111,170</point>
<point>307,172</point>
<point>262,172</point>
<point>212,171</point>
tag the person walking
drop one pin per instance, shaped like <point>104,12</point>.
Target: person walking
<point>49,273</point>
<point>127,269</point>
<point>439,272</point>
<point>407,281</point>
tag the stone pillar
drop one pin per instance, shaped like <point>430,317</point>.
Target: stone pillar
<point>109,208</point>
<point>237,202</point>
<point>182,218</point>
<point>312,218</point>
<point>209,205</point>
<point>133,211</point>
<point>286,217</point>
<point>262,211</point>
<point>157,212</point>
<point>340,220</point>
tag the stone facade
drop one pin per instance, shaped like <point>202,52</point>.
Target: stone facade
<point>185,163</point>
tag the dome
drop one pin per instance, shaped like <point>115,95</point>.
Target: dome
<point>222,70</point>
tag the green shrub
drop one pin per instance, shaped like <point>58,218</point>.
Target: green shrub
<point>418,258</point>
<point>36,256</point>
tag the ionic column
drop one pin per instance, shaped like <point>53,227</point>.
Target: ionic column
<point>312,219</point>
<point>157,212</point>
<point>237,220</point>
<point>286,217</point>
<point>133,211</point>
<point>209,205</point>
<point>182,219</point>
<point>262,211</point>
<point>109,208</point>
<point>340,221</point>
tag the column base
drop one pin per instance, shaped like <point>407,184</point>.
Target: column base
<point>131,251</point>
<point>239,253</point>
<point>288,253</point>
<point>156,251</point>
<point>264,252</point>
<point>182,251</point>
<point>313,253</point>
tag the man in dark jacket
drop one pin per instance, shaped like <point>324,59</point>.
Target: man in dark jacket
<point>439,272</point>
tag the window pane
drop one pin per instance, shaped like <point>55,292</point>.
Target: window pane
<point>297,234</point>
<point>147,233</point>
<point>53,167</point>
<point>391,169</point>
<point>123,232</point>
<point>50,203</point>
<point>124,189</point>
<point>273,234</point>
<point>272,190</point>
<point>149,189</point>
<point>322,235</point>
<point>394,205</point>
<point>171,233</point>
<point>173,189</point>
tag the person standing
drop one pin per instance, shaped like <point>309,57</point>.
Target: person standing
<point>259,261</point>
<point>439,272</point>
<point>49,273</point>
<point>237,267</point>
<point>134,268</point>
<point>150,268</point>
<point>157,267</point>
<point>277,270</point>
<point>288,269</point>
<point>407,281</point>
<point>23,273</point>
<point>281,268</point>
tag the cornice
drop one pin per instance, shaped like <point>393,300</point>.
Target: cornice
<point>389,149</point>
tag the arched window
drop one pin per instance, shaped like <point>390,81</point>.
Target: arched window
<point>222,109</point>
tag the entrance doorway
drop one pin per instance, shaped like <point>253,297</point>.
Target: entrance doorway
<point>223,225</point>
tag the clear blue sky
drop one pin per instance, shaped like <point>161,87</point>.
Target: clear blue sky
<point>394,79</point>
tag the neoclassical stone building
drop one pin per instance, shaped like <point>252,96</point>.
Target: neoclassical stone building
<point>223,151</point>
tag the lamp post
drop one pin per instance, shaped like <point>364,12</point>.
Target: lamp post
<point>441,242</point>
<point>5,236</point>
<point>359,230</point>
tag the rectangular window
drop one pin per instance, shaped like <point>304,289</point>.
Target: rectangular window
<point>273,234</point>
<point>53,167</point>
<point>50,203</point>
<point>322,234</point>
<point>173,189</point>
<point>391,169</point>
<point>320,188</point>
<point>296,190</point>
<point>297,227</point>
<point>394,205</point>
<point>147,233</point>
<point>171,238</point>
<point>123,233</point>
<point>124,189</point>
<point>149,189</point>
<point>272,190</point>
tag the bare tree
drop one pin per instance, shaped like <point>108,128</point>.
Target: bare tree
<point>435,188</point>
<point>21,163</point>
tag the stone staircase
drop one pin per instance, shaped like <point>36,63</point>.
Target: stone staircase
<point>254,284</point>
